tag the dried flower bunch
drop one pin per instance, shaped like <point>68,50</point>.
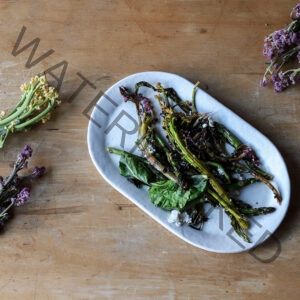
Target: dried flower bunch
<point>36,104</point>
<point>282,48</point>
<point>15,189</point>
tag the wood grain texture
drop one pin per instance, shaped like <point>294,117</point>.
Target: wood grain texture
<point>80,239</point>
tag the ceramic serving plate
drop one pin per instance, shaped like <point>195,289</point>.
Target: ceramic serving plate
<point>114,123</point>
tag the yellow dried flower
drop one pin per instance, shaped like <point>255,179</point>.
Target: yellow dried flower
<point>46,118</point>
<point>43,79</point>
<point>2,114</point>
<point>24,87</point>
<point>34,80</point>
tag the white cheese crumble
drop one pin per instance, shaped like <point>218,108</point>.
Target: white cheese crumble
<point>178,218</point>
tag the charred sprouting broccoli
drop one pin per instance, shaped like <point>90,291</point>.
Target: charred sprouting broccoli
<point>190,154</point>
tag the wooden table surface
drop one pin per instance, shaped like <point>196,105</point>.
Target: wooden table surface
<point>78,238</point>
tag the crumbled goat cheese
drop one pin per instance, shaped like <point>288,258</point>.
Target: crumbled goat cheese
<point>178,218</point>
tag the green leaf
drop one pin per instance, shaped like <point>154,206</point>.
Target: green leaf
<point>169,195</point>
<point>199,182</point>
<point>137,168</point>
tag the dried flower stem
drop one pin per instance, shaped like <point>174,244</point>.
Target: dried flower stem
<point>13,191</point>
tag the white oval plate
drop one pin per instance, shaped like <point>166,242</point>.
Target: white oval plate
<point>114,123</point>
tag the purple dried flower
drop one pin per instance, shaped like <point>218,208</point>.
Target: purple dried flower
<point>292,78</point>
<point>280,82</point>
<point>251,155</point>
<point>295,38</point>
<point>280,39</point>
<point>146,104</point>
<point>264,82</point>
<point>296,10</point>
<point>22,196</point>
<point>26,153</point>
<point>38,171</point>
<point>268,50</point>
<point>278,42</point>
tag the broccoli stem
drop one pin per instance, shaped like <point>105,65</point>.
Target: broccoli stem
<point>194,109</point>
<point>143,146</point>
<point>36,118</point>
<point>257,211</point>
<point>220,194</point>
<point>167,152</point>
<point>145,129</point>
<point>28,96</point>
<point>240,184</point>
<point>254,170</point>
